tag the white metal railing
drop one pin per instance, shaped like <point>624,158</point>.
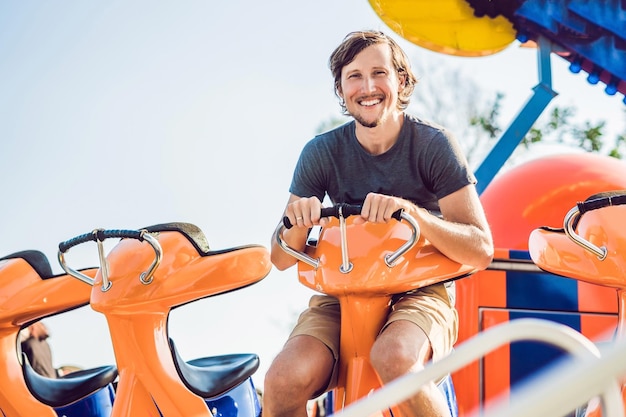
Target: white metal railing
<point>569,384</point>
<point>584,377</point>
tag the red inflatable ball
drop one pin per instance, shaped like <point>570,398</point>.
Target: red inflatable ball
<point>541,192</point>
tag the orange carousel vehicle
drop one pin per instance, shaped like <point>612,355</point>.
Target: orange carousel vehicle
<point>590,248</point>
<point>144,276</point>
<point>363,266</point>
<point>30,292</point>
<point>538,193</point>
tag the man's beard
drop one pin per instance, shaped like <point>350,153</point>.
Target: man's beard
<point>365,123</point>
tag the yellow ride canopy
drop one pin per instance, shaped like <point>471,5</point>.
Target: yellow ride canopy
<point>445,26</point>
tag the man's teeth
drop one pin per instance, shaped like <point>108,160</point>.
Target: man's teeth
<point>369,102</point>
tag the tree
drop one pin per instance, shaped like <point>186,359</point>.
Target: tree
<point>590,137</point>
<point>619,150</point>
<point>475,117</point>
<point>462,106</point>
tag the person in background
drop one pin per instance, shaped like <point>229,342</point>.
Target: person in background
<point>34,343</point>
<point>386,160</point>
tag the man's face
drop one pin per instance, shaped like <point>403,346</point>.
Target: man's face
<point>370,85</point>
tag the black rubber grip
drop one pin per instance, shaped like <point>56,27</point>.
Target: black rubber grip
<point>99,235</point>
<point>75,241</point>
<point>601,200</point>
<point>346,210</point>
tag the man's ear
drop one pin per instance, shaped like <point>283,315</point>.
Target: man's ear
<point>339,91</point>
<point>401,80</point>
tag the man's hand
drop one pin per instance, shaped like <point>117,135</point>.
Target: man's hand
<point>378,208</point>
<point>305,212</point>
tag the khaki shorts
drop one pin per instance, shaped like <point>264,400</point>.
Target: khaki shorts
<point>431,308</point>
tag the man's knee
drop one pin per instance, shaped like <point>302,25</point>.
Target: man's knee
<point>299,379</point>
<point>390,358</point>
<point>281,379</point>
<point>397,352</point>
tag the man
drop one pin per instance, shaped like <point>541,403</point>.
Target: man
<point>386,160</point>
<point>37,349</point>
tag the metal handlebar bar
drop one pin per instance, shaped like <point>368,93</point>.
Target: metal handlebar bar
<point>342,211</point>
<point>571,218</point>
<point>99,236</point>
<point>595,202</point>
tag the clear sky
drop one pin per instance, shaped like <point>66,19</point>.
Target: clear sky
<point>127,113</point>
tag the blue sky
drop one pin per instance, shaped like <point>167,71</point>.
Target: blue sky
<point>123,114</point>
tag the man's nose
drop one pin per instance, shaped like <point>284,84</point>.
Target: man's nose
<point>368,84</point>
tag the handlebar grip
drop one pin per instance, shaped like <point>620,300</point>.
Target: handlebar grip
<point>345,210</point>
<point>397,214</point>
<point>99,235</point>
<point>121,233</point>
<point>601,200</point>
<point>75,241</point>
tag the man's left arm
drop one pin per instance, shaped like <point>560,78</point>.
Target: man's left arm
<point>463,233</point>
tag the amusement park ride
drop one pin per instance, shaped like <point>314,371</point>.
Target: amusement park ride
<point>154,270</point>
<point>591,36</point>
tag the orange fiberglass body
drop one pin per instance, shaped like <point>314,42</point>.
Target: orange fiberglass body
<point>526,197</point>
<point>26,295</point>
<point>595,253</point>
<point>554,251</point>
<point>365,291</point>
<point>137,307</point>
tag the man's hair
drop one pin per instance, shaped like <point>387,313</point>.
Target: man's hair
<point>357,41</point>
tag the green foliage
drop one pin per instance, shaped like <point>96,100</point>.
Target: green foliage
<point>489,121</point>
<point>590,138</point>
<point>558,126</point>
<point>618,151</point>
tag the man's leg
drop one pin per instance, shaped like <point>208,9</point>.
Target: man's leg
<point>401,348</point>
<point>301,369</point>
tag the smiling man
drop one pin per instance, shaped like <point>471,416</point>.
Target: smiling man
<point>385,160</point>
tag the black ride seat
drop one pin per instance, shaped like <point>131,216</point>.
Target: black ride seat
<point>59,392</point>
<point>214,375</point>
<point>38,260</point>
